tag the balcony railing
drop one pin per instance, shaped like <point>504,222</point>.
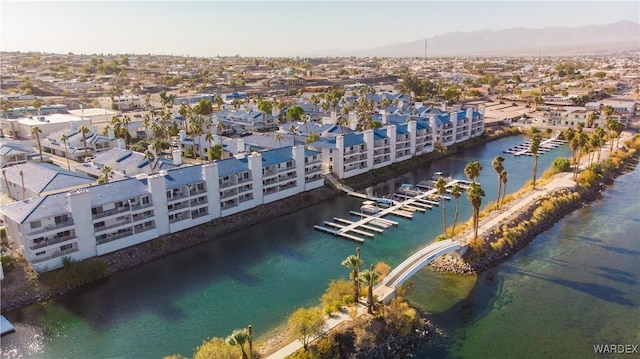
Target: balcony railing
<point>140,228</point>
<point>53,255</point>
<point>51,227</point>
<point>50,242</point>
<point>177,196</point>
<point>102,229</point>
<point>114,237</point>
<point>111,212</point>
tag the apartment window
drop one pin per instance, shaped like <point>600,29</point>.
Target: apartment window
<point>61,219</point>
<point>36,224</point>
<point>40,253</point>
<point>65,247</point>
<point>145,200</point>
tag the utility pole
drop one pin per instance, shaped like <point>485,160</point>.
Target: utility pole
<point>425,49</point>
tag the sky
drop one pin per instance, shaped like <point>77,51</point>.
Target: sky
<point>274,28</point>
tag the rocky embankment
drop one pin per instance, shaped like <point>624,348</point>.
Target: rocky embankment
<point>474,262</point>
<point>402,347</point>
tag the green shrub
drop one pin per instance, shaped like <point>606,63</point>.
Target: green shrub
<point>76,273</point>
<point>561,164</point>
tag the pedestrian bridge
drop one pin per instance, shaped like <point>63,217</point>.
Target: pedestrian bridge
<point>385,291</point>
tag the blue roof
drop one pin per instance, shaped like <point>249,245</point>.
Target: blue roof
<point>353,139</point>
<point>117,190</point>
<point>231,166</point>
<point>380,133</point>
<point>279,155</point>
<point>183,176</point>
<point>36,208</point>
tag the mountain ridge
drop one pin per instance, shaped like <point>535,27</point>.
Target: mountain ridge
<point>551,40</point>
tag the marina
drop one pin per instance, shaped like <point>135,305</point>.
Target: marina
<point>405,203</point>
<point>545,146</point>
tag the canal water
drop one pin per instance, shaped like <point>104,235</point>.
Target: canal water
<point>260,275</point>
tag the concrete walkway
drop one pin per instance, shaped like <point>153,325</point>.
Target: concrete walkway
<point>563,180</point>
<point>335,320</point>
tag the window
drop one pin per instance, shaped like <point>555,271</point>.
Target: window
<point>145,200</point>
<point>61,219</point>
<point>40,253</point>
<point>36,224</point>
<point>65,247</point>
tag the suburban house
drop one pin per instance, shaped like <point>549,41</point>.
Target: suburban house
<point>13,152</point>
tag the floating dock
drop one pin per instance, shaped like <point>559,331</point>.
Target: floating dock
<point>545,146</point>
<point>372,220</point>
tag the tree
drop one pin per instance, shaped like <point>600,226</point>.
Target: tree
<point>278,137</point>
<point>503,180</point>
<point>149,156</point>
<point>295,113</point>
<point>472,170</point>
<point>35,132</point>
<point>452,94</point>
<point>306,324</point>
<point>475,194</point>
<point>64,139</point>
<point>292,130</point>
<point>533,148</point>
<point>266,107</point>
<point>354,263</point>
<point>498,166</point>
<point>37,104</point>
<point>126,120</point>
<point>456,192</point>
<point>441,187</point>
<point>216,348</point>
<point>607,111</point>
<point>239,338</point>
<point>591,119</point>
<point>84,130</point>
<point>107,173</point>
<point>369,277</point>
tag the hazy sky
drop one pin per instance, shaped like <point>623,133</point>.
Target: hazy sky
<point>270,28</point>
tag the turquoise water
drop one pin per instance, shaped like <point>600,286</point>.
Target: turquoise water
<point>256,276</point>
<point>573,287</point>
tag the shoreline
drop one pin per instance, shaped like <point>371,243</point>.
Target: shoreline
<point>22,288</point>
<point>522,229</point>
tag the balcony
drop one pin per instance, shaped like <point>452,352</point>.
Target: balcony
<point>53,255</point>
<point>139,206</point>
<point>177,196</point>
<point>142,216</point>
<point>119,224</point>
<point>179,206</point>
<point>198,202</point>
<point>139,228</point>
<point>51,227</point>
<point>49,242</point>
<point>197,191</point>
<point>111,212</point>
<point>179,218</point>
<point>114,237</point>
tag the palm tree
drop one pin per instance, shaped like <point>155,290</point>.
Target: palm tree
<point>503,180</point>
<point>146,122</point>
<point>498,166</point>
<point>239,338</point>
<point>148,155</point>
<point>533,148</point>
<point>617,129</point>
<point>126,120</point>
<point>107,172</point>
<point>369,277</point>
<point>36,131</point>
<point>475,194</point>
<point>219,127</point>
<point>472,170</point>
<point>84,130</point>
<point>607,111</point>
<point>600,134</point>
<point>456,192</point>
<point>5,111</point>
<point>441,187</point>
<point>292,130</point>
<point>278,137</point>
<point>37,104</point>
<point>354,263</point>
<point>591,119</point>
<point>64,139</point>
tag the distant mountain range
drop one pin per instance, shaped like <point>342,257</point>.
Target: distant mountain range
<point>519,41</point>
